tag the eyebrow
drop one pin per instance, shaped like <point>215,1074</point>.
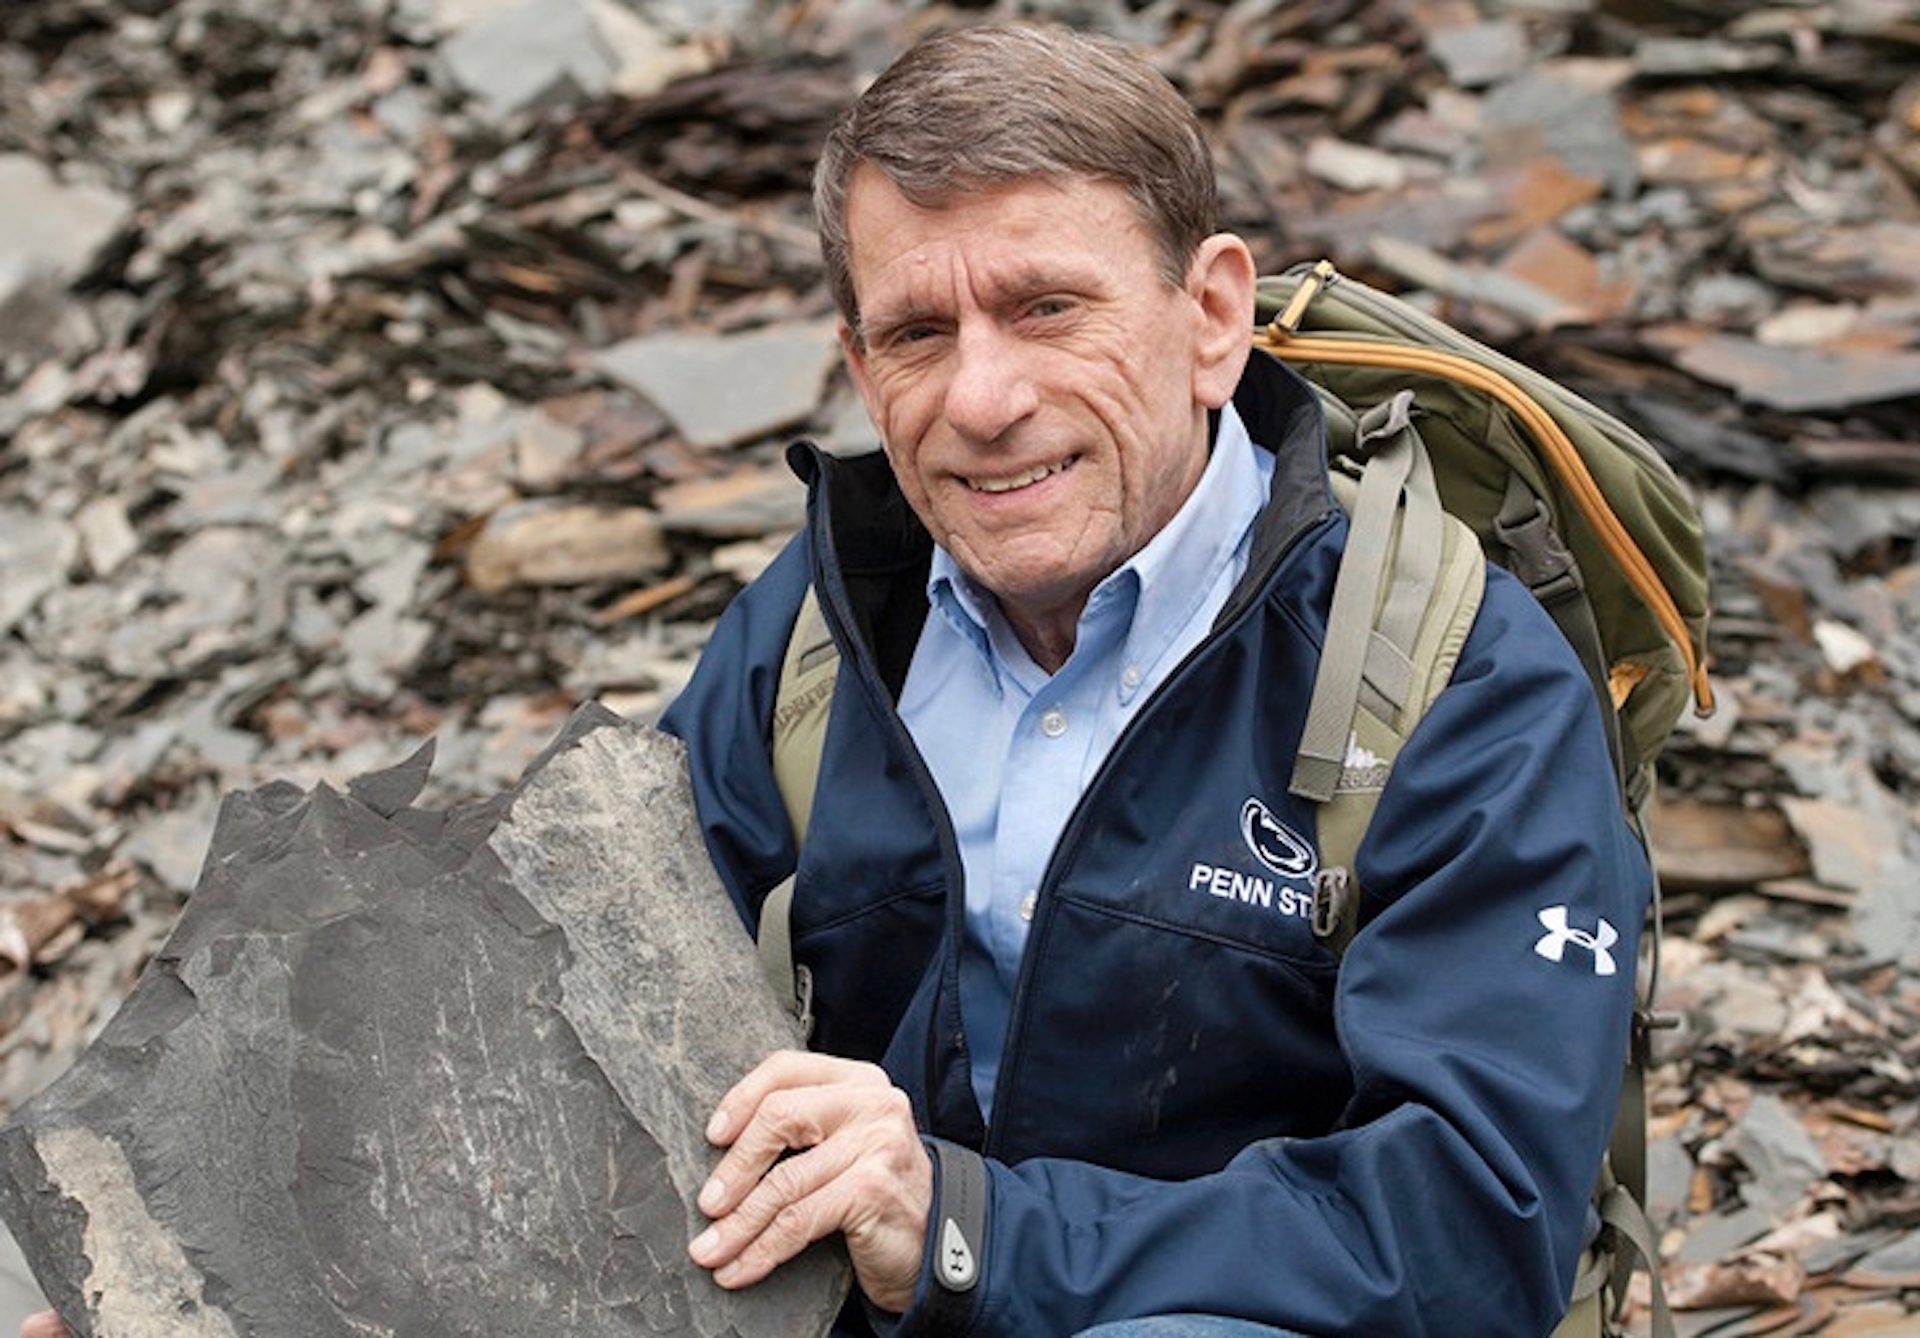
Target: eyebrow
<point>1022,281</point>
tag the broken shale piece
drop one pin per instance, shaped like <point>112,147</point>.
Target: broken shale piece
<point>400,1072</point>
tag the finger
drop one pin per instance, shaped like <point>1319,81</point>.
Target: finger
<point>789,1118</point>
<point>46,1324</point>
<point>788,1185</point>
<point>788,1228</point>
<point>782,1069</point>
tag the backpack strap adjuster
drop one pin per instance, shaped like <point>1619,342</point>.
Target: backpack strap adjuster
<point>1382,424</point>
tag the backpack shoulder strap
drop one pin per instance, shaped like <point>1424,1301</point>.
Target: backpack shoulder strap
<point>1408,588</point>
<point>802,703</point>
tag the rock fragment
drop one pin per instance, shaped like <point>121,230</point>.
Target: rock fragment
<point>34,552</point>
<point>536,543</point>
<point>423,1072</point>
<point>47,227</point>
<point>723,389</point>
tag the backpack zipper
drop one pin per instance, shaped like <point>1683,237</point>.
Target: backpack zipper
<point>1561,454</point>
<point>1412,323</point>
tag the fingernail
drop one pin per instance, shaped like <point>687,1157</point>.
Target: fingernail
<point>728,1275</point>
<point>705,1243</point>
<point>717,1126</point>
<point>711,1195</point>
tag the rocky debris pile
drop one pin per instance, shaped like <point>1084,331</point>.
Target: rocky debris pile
<point>374,369</point>
<point>413,1071</point>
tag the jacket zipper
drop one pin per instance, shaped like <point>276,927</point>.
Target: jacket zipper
<point>1070,835</point>
<point>854,651</point>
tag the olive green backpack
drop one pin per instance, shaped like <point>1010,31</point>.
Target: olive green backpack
<point>1445,454</point>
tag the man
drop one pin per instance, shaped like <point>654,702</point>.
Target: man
<point>1064,1080</point>
<point>1059,1079</point>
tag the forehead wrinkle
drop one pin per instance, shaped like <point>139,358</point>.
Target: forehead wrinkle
<point>990,286</point>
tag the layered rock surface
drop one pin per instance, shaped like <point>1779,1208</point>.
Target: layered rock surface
<point>417,1073</point>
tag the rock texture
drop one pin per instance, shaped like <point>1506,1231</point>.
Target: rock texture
<point>419,1073</point>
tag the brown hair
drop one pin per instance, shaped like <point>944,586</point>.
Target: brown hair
<point>1003,103</point>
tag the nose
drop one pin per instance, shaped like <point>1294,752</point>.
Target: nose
<point>991,387</point>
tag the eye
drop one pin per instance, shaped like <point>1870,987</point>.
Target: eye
<point>910,336</point>
<point>1045,307</point>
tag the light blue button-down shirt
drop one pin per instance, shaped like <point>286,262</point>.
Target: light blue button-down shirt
<point>1012,749</point>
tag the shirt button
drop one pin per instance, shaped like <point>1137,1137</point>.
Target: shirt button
<point>1027,903</point>
<point>1130,676</point>
<point>1054,723</point>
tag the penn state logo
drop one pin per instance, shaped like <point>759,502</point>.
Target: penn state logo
<point>1276,845</point>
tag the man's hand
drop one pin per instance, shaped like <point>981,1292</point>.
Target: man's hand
<point>859,1168</point>
<point>46,1324</point>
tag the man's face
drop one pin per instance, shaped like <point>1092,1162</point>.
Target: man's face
<point>1040,388</point>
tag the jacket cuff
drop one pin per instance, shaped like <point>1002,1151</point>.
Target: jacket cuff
<point>953,1267</point>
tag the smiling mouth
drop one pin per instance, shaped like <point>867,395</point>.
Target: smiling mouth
<point>1025,479</point>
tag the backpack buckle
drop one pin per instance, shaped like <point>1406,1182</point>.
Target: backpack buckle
<point>1646,1021</point>
<point>803,1000</point>
<point>1330,896</point>
<point>1540,559</point>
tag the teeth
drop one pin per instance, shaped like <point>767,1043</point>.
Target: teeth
<point>1032,476</point>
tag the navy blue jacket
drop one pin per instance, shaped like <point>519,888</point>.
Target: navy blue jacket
<point>1199,1110</point>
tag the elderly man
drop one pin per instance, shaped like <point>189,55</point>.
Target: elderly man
<point>1058,1081</point>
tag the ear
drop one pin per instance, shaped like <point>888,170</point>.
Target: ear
<point>1220,281</point>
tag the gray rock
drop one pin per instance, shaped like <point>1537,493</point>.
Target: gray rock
<point>1541,111</point>
<point>1676,56</point>
<point>723,389</point>
<point>1710,1238</point>
<point>1729,299</point>
<point>533,54</point>
<point>1477,54</point>
<point>382,646</point>
<point>399,1071</point>
<point>1799,380</point>
<point>1669,1180</point>
<point>47,227</point>
<point>1900,1257</point>
<point>172,845</point>
<point>106,535</point>
<point>1778,1152</point>
<point>1886,920</point>
<point>35,551</point>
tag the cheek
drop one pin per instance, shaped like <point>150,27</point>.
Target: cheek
<point>901,408</point>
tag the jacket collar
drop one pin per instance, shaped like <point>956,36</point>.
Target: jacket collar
<point>871,552</point>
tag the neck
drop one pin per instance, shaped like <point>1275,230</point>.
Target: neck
<point>1047,634</point>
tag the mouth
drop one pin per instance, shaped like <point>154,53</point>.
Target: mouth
<point>1024,479</point>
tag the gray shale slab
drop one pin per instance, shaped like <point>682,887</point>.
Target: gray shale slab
<point>420,1073</point>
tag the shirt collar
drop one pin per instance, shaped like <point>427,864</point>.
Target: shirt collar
<point>1168,578</point>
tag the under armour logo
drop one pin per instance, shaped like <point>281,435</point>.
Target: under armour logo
<point>957,1268</point>
<point>1553,944</point>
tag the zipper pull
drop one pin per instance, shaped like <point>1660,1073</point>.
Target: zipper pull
<point>1287,323</point>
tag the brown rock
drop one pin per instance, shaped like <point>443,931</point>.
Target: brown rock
<point>537,544</point>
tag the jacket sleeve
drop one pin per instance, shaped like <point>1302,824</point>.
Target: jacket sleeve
<point>725,717</point>
<point>1484,1009</point>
